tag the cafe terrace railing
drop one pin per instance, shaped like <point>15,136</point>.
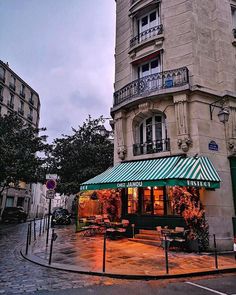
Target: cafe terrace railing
<point>145,35</point>
<point>155,146</point>
<point>154,82</point>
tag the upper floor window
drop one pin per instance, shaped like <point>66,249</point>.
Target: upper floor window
<point>12,82</point>
<point>149,68</point>
<point>146,26</point>
<point>2,73</point>
<point>152,136</point>
<point>11,98</point>
<point>22,90</point>
<point>31,100</point>
<point>21,105</point>
<point>148,21</point>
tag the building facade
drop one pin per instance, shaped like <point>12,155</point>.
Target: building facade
<point>174,74</point>
<point>17,96</point>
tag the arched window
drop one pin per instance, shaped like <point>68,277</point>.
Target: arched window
<point>152,136</point>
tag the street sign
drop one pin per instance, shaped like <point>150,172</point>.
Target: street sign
<point>50,194</point>
<point>51,184</point>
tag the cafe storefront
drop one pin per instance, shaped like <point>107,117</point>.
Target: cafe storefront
<point>146,187</point>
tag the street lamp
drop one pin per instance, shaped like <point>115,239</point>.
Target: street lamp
<point>223,114</point>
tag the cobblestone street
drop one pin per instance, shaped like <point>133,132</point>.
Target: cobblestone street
<point>18,275</point>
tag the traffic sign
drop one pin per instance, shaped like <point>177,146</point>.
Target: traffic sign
<point>51,176</point>
<point>50,194</point>
<point>51,184</point>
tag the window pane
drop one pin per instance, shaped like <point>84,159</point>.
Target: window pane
<point>149,130</point>
<point>145,68</point>
<point>158,201</point>
<point>147,204</point>
<point>154,64</point>
<point>132,200</point>
<point>144,21</point>
<point>2,72</point>
<point>153,16</point>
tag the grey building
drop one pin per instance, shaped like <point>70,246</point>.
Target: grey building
<point>16,95</point>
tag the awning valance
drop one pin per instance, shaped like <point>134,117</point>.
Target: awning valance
<point>157,172</point>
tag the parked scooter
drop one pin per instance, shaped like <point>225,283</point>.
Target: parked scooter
<point>61,216</point>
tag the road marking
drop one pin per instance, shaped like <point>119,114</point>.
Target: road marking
<point>208,289</point>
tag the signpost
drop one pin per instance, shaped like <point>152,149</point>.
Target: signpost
<point>51,185</point>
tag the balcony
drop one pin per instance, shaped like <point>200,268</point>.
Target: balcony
<point>156,146</point>
<point>146,35</point>
<point>151,83</point>
<point>12,86</point>
<point>10,104</point>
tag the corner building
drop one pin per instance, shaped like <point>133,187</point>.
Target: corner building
<point>174,79</point>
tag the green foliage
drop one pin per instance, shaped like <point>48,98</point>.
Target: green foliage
<point>81,156</point>
<point>19,144</point>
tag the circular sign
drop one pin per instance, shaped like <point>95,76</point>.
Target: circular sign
<point>51,184</point>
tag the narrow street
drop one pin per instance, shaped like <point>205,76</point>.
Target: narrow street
<point>19,276</point>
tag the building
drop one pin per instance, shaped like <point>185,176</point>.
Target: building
<point>16,95</point>
<point>175,89</point>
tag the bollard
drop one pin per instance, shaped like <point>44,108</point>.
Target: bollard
<point>215,250</point>
<point>30,229</point>
<point>166,256</point>
<point>40,227</point>
<point>44,223</point>
<point>34,230</point>
<point>133,226</point>
<point>27,241</point>
<point>104,253</point>
<point>53,238</point>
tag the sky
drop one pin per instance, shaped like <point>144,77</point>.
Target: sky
<point>64,49</point>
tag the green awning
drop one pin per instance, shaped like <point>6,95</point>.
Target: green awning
<point>198,172</point>
<point>170,171</point>
<point>141,173</point>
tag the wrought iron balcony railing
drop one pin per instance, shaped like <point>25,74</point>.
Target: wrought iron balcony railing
<point>156,146</point>
<point>151,83</point>
<point>145,35</point>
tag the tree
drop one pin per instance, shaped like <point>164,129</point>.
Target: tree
<point>78,157</point>
<point>19,144</point>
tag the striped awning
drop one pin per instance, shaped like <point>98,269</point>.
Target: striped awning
<point>170,171</point>
<point>194,172</point>
<point>133,174</point>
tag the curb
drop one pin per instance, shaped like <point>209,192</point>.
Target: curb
<point>74,269</point>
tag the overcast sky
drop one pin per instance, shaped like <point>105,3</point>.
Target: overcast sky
<point>64,49</point>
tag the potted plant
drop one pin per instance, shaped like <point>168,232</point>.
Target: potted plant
<point>186,202</point>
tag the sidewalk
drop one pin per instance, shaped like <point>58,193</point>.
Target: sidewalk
<point>124,258</point>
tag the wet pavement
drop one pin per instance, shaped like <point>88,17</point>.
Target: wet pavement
<point>73,251</point>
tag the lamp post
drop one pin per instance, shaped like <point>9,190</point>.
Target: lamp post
<point>223,114</point>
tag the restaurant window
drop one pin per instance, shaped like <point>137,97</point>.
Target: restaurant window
<point>132,200</point>
<point>147,207</point>
<point>158,201</point>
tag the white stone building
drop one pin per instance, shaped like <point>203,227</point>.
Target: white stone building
<point>174,74</point>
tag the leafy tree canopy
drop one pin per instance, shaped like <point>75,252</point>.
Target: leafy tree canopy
<point>78,157</point>
<point>19,145</point>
